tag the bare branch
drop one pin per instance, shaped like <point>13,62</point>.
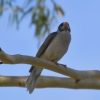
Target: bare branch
<point>47,81</point>
<point>22,59</point>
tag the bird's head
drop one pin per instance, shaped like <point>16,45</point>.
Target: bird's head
<point>64,27</point>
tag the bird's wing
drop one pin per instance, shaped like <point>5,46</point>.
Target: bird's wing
<point>44,46</point>
<point>46,43</point>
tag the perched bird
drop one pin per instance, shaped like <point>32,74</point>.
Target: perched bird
<point>53,49</point>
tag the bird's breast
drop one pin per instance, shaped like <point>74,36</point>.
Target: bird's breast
<point>57,48</point>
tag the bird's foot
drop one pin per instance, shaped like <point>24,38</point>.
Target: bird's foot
<point>63,65</point>
<point>57,63</point>
<point>76,81</point>
<point>60,64</point>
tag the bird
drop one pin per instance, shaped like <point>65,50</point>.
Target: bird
<point>53,49</point>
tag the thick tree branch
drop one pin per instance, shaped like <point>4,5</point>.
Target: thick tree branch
<point>47,81</point>
<point>75,74</point>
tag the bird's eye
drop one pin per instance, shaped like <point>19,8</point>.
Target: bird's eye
<point>60,27</point>
<point>61,24</point>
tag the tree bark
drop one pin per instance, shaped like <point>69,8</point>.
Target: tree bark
<point>88,79</point>
<point>50,82</point>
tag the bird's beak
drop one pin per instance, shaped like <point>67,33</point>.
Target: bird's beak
<point>65,24</point>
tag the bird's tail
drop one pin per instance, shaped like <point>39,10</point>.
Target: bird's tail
<point>32,79</point>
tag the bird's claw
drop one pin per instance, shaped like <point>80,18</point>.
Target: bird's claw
<point>76,81</point>
<point>63,65</point>
<point>60,64</point>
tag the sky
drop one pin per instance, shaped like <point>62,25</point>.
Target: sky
<point>83,54</point>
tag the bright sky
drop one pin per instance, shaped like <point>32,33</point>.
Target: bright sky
<point>83,54</point>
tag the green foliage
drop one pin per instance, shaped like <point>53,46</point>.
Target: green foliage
<point>41,14</point>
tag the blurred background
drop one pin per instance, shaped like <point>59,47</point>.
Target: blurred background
<point>24,24</point>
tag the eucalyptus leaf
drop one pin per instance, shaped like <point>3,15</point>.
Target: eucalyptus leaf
<point>41,15</point>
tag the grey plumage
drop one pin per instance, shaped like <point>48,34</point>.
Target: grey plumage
<point>53,49</point>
